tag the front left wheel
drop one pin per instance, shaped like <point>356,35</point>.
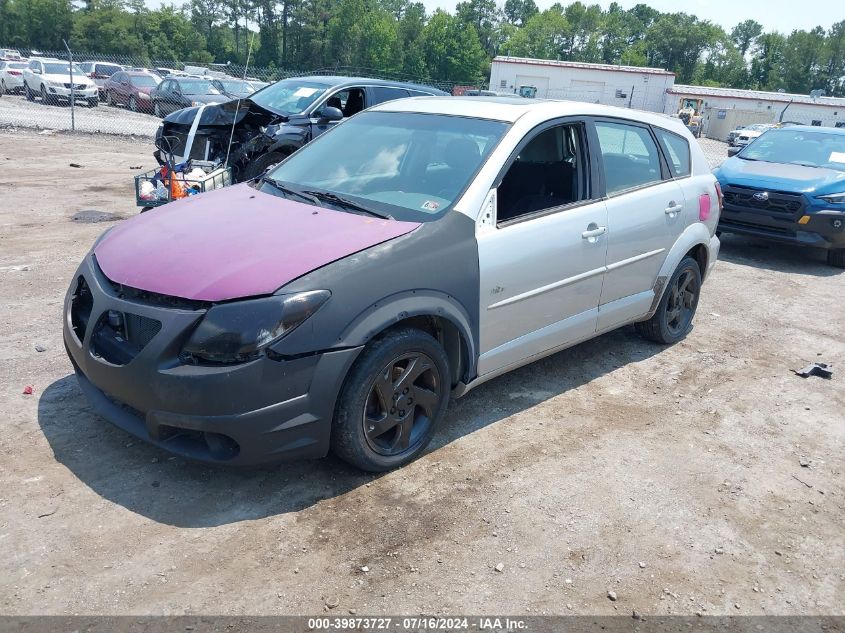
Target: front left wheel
<point>836,257</point>
<point>392,401</point>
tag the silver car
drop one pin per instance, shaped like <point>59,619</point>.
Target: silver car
<point>338,301</point>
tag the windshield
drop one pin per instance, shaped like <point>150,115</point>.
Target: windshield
<point>799,147</point>
<point>198,87</point>
<point>17,65</point>
<point>237,86</point>
<point>145,81</point>
<point>289,96</point>
<point>412,166</point>
<point>61,69</point>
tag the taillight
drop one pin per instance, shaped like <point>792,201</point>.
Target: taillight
<point>14,72</point>
<point>719,196</point>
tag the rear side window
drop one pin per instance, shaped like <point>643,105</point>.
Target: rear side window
<point>381,94</point>
<point>676,149</point>
<point>629,156</point>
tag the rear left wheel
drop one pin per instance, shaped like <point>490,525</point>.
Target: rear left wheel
<point>673,319</point>
<point>133,105</point>
<point>392,401</point>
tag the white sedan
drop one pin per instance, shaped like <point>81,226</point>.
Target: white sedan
<point>11,76</point>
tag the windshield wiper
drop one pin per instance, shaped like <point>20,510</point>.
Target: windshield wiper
<point>289,192</point>
<point>335,199</point>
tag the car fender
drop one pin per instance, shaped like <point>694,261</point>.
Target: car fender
<point>287,139</point>
<point>392,309</point>
<point>696,234</point>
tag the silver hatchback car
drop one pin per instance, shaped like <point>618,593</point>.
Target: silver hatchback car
<point>417,250</point>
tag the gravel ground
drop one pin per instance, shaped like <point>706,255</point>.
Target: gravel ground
<point>704,477</point>
<point>17,112</point>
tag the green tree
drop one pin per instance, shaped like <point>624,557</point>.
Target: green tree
<point>745,34</point>
<point>518,12</point>
<point>451,50</point>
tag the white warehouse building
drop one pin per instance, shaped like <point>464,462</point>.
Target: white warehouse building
<point>654,89</point>
<point>723,109</point>
<point>625,86</point>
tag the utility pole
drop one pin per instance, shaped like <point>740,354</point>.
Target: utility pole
<point>72,91</point>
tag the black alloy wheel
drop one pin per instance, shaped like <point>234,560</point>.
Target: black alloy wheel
<point>402,403</point>
<point>392,400</point>
<point>683,298</point>
<point>672,320</point>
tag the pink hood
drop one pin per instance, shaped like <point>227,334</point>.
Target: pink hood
<point>233,243</point>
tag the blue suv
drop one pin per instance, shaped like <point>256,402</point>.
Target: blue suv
<point>789,185</point>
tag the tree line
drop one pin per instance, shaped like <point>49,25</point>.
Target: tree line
<point>400,36</point>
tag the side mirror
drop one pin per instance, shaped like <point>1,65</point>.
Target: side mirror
<point>330,113</point>
<point>733,151</point>
<point>36,71</point>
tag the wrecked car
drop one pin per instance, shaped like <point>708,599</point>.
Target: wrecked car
<point>276,121</point>
<point>340,300</point>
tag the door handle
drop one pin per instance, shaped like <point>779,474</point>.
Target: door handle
<point>673,208</point>
<point>592,233</point>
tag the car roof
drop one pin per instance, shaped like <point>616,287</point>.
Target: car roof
<point>509,109</point>
<point>337,80</point>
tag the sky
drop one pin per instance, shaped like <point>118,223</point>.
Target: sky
<point>775,15</point>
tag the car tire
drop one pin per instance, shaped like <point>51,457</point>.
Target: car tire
<point>93,103</point>
<point>109,99</point>
<point>157,109</point>
<point>392,401</point>
<point>44,97</point>
<point>2,86</point>
<point>836,257</point>
<point>133,105</point>
<point>29,94</point>
<point>259,165</point>
<point>672,320</point>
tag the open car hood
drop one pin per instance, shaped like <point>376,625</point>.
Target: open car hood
<point>233,243</point>
<point>224,114</point>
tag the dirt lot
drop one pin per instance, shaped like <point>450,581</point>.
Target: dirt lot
<point>704,477</point>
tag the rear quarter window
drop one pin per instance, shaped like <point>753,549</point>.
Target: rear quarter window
<point>677,152</point>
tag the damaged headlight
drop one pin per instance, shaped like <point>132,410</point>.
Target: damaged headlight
<point>241,330</point>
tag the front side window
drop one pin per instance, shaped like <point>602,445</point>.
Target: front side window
<point>549,172</point>
<point>676,149</point>
<point>349,101</point>
<point>629,156</point>
<point>412,166</point>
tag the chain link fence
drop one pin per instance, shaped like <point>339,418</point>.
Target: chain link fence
<point>112,113</point>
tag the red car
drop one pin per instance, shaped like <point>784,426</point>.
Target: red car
<point>132,89</point>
